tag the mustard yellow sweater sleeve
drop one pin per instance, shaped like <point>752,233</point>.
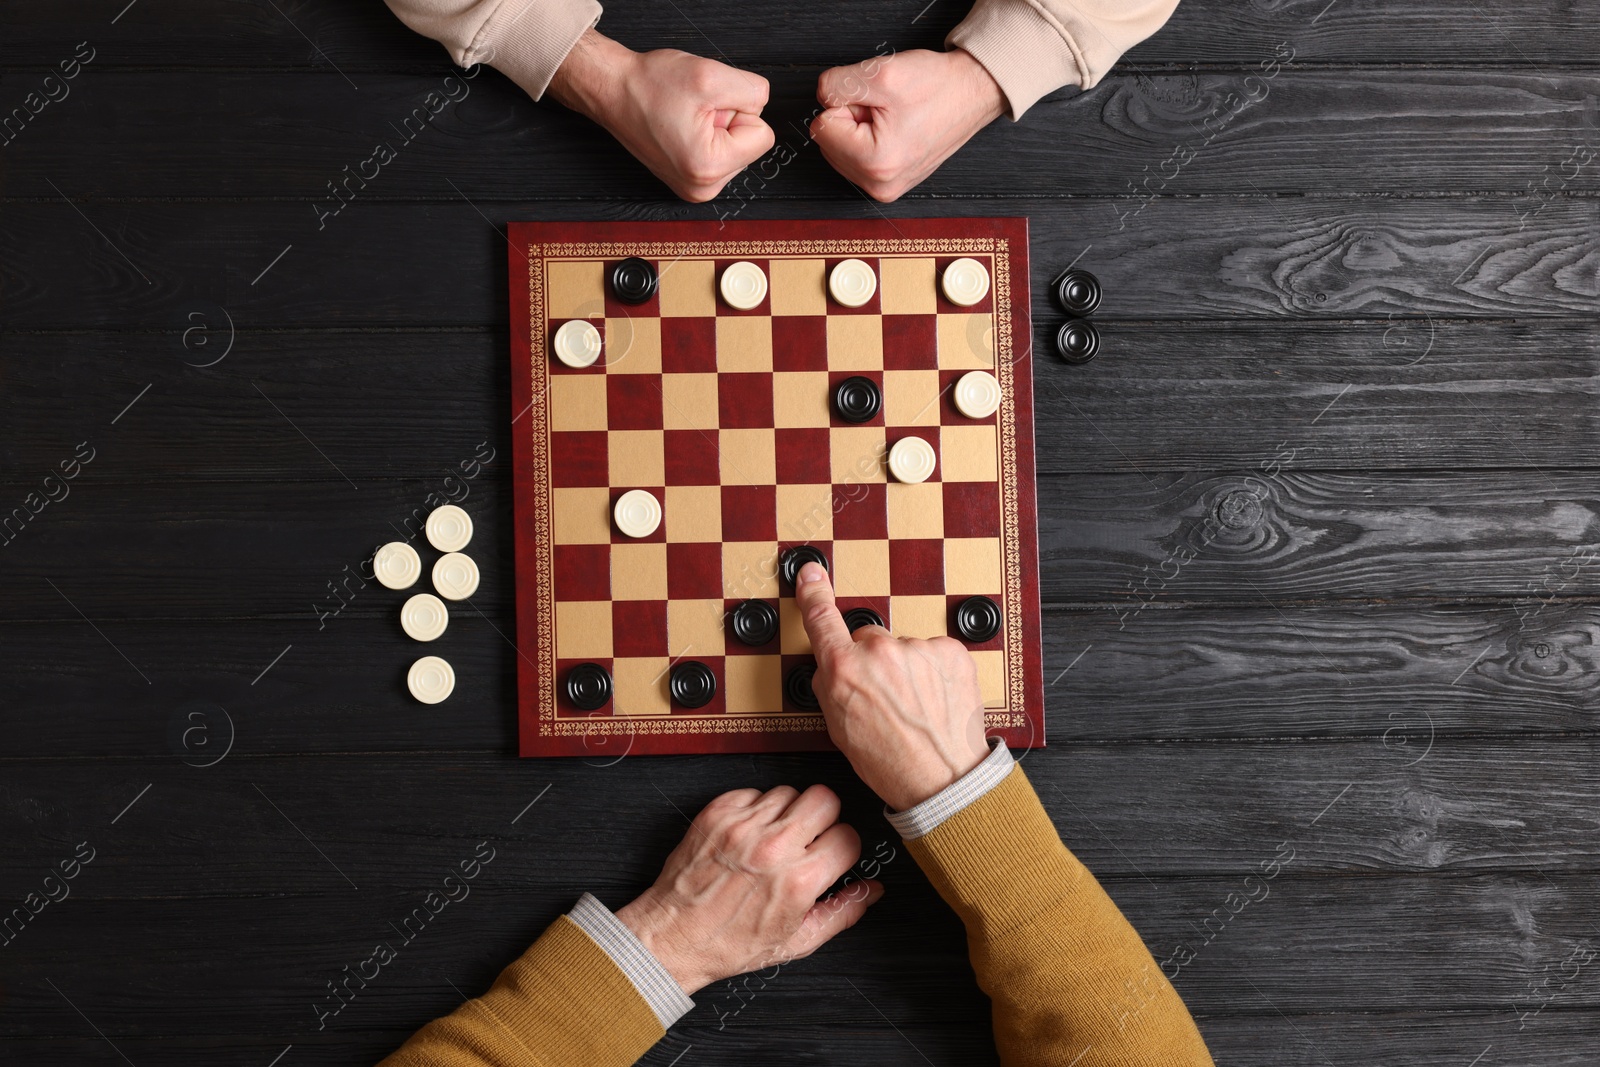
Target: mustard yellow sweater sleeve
<point>563,1003</point>
<point>1069,978</point>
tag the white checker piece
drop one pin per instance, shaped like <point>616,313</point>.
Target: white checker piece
<point>977,394</point>
<point>455,576</point>
<point>965,282</point>
<point>424,617</point>
<point>638,513</point>
<point>431,679</point>
<point>744,285</point>
<point>397,565</point>
<point>912,460</point>
<point>449,528</point>
<point>577,344</point>
<point>852,283</point>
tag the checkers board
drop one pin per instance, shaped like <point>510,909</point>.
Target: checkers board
<point>724,416</point>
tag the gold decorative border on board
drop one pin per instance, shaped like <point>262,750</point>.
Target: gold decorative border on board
<point>539,429</point>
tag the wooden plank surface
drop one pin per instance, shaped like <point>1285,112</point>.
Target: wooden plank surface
<point>1394,131</point>
<point>1318,530</point>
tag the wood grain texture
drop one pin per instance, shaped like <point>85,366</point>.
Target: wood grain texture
<point>380,266</point>
<point>1524,135</point>
<point>1400,802</point>
<point>1319,539</point>
<point>1369,394</point>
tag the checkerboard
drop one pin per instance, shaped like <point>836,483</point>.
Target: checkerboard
<point>725,416</point>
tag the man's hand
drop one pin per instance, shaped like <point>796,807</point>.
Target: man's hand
<point>740,892</point>
<point>891,121</point>
<point>906,713</point>
<point>694,122</point>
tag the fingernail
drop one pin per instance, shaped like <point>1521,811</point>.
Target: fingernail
<point>811,572</point>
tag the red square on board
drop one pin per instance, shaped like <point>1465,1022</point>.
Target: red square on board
<point>583,572</point>
<point>910,342</point>
<point>971,509</point>
<point>744,401</point>
<point>954,602</point>
<point>800,342</point>
<point>688,345</point>
<point>691,457</point>
<point>578,459</point>
<point>694,571</point>
<point>633,401</point>
<point>860,511</point>
<point>749,513</point>
<point>803,456</point>
<point>916,567</point>
<point>825,547</point>
<point>639,628</point>
<point>789,664</point>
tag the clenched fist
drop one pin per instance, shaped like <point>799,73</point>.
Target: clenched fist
<point>891,121</point>
<point>693,121</point>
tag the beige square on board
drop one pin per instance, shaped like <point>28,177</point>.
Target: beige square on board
<point>972,566</point>
<point>911,397</point>
<point>805,513</point>
<point>792,637</point>
<point>693,513</point>
<point>861,568</point>
<point>915,510</point>
<point>991,676</point>
<point>744,343</point>
<point>855,342</point>
<point>800,399</point>
<point>640,685</point>
<point>857,454</point>
<point>966,341</point>
<point>919,616</point>
<point>798,286</point>
<point>582,516</point>
<point>577,288</point>
<point>688,287</point>
<point>577,402</point>
<point>968,454</point>
<point>695,628</point>
<point>637,457</point>
<point>908,286</point>
<point>749,457</point>
<point>749,569</point>
<point>633,345</point>
<point>583,629</point>
<point>689,401</point>
<point>754,684</point>
<point>639,570</point>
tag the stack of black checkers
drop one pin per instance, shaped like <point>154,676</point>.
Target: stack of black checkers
<point>1076,292</point>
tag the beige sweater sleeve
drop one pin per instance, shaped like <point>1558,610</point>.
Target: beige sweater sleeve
<point>1033,47</point>
<point>526,40</point>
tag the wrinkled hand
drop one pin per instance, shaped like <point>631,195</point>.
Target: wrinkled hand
<point>907,713</point>
<point>740,891</point>
<point>693,121</point>
<point>890,121</point>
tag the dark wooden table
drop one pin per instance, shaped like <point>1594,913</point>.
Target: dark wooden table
<point>1319,532</point>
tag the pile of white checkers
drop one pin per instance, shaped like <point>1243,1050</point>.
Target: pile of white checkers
<point>424,616</point>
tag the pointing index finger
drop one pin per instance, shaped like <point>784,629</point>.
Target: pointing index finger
<point>824,625</point>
